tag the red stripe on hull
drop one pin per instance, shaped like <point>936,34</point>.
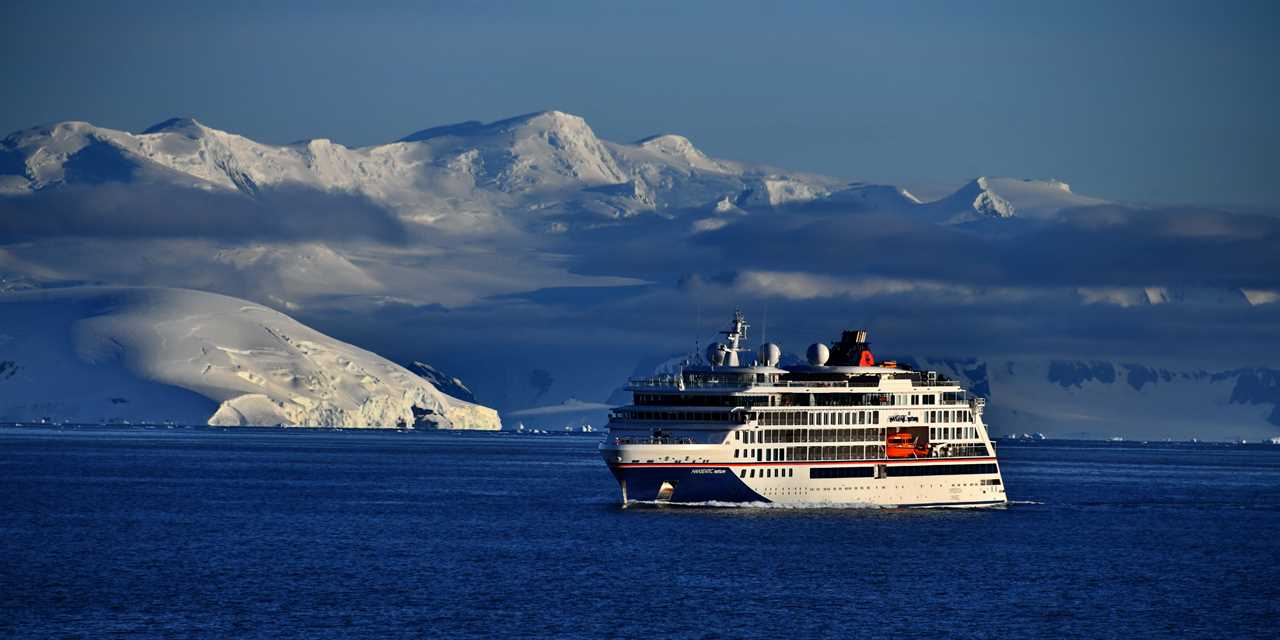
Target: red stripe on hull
<point>797,463</point>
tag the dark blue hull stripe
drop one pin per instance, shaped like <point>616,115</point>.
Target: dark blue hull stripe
<point>711,484</point>
<point>700,484</point>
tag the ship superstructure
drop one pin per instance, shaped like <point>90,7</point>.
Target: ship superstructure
<point>841,429</point>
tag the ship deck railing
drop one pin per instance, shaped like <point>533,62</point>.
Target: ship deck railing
<point>651,440</point>
<point>711,385</point>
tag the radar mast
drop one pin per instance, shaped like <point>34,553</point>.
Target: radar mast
<point>735,336</point>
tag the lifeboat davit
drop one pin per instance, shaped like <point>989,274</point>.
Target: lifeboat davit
<point>903,445</point>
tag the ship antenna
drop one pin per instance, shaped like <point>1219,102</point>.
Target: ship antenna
<point>697,329</point>
<point>764,326</point>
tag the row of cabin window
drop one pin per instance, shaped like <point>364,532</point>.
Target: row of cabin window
<point>817,418</point>
<point>846,452</point>
<point>844,418</point>
<point>967,450</point>
<point>804,454</point>
<point>768,473</point>
<point>799,418</point>
<point>948,416</point>
<point>953,433</point>
<point>678,416</point>
<point>788,436</point>
<point>678,400</point>
<point>875,399</point>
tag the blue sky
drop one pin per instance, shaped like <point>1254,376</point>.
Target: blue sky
<point>1156,102</point>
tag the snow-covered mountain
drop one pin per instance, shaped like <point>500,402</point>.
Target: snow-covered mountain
<point>1002,198</point>
<point>543,170</point>
<point>143,354</point>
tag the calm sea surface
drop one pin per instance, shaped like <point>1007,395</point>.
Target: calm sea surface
<point>208,533</point>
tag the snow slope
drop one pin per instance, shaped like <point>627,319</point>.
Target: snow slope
<point>102,354</point>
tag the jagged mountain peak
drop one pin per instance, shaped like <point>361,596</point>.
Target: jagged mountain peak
<point>985,201</point>
<point>996,198</point>
<point>988,197</point>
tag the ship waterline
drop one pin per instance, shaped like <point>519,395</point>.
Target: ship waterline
<point>840,430</point>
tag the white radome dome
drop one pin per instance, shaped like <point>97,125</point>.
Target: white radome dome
<point>818,354</point>
<point>769,354</point>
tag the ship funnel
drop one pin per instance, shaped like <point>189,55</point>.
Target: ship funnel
<point>852,350</point>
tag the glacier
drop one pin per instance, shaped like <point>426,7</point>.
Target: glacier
<point>106,354</point>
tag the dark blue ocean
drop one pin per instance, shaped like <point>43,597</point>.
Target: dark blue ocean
<point>269,533</point>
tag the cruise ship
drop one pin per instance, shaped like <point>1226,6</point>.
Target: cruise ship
<point>842,429</point>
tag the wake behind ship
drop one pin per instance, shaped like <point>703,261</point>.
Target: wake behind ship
<point>840,430</point>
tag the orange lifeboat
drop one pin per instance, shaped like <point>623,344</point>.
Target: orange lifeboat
<point>902,445</point>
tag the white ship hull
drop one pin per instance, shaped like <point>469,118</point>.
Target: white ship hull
<point>951,482</point>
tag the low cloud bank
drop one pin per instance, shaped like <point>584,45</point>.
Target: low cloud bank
<point>1089,248</point>
<point>121,210</point>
